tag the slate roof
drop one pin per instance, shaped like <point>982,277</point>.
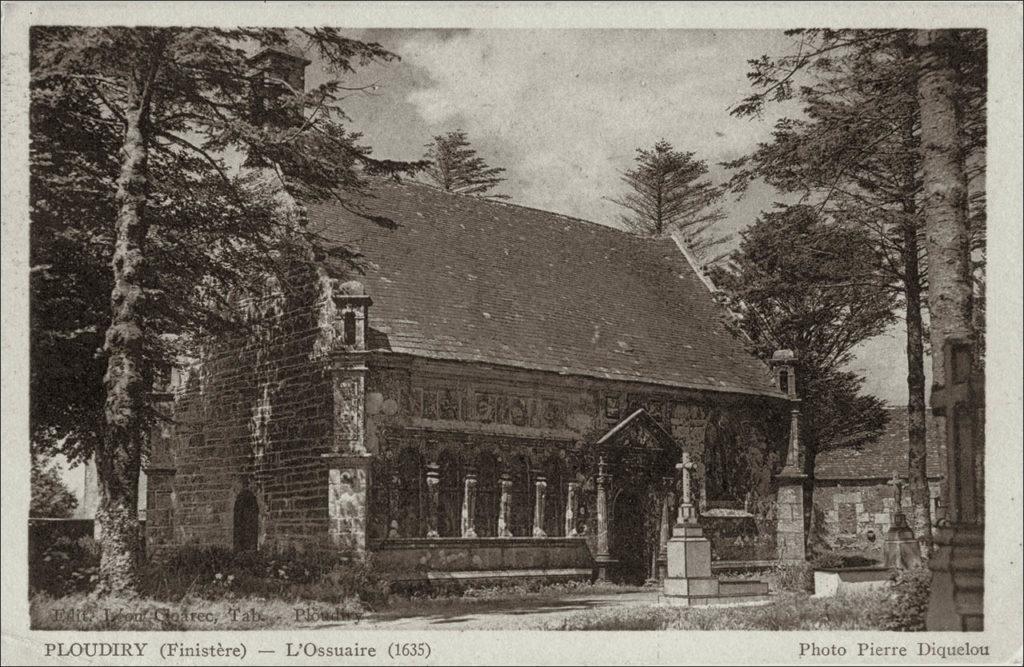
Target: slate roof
<point>465,278</point>
<point>880,457</point>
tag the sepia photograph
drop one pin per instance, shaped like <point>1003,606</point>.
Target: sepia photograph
<point>338,329</point>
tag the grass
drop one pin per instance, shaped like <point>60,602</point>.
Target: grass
<point>82,611</point>
<point>495,598</point>
<point>788,611</point>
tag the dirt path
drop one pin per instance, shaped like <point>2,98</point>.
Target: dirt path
<point>493,614</point>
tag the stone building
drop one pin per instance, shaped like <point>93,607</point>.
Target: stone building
<point>854,498</point>
<point>498,391</point>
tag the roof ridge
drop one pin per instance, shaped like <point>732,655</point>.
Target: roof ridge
<point>508,204</point>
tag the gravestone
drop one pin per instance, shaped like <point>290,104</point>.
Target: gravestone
<point>901,549</point>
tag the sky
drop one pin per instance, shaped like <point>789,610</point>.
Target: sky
<point>563,111</point>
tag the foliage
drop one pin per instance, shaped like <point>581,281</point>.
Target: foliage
<point>218,572</point>
<point>213,573</point>
<point>907,605</point>
<point>51,497</point>
<point>65,567</point>
<point>855,153</point>
<point>792,577</point>
<point>801,284</point>
<point>833,560</point>
<point>668,193</point>
<point>785,612</point>
<point>454,166</point>
<point>166,171</point>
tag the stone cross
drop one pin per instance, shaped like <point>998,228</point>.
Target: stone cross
<point>686,514</point>
<point>897,485</point>
<point>686,465</point>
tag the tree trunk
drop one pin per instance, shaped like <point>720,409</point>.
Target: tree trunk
<point>128,380</point>
<point>947,237</point>
<point>917,451</point>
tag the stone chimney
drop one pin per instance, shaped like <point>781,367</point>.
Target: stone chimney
<point>277,74</point>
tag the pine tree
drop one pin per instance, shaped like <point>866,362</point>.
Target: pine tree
<point>797,282</point>
<point>137,137</point>
<point>857,155</point>
<point>668,193</point>
<point>454,166</point>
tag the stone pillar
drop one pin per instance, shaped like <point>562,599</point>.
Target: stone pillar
<point>469,506</point>
<point>603,557</point>
<point>665,529</point>
<point>505,508</point>
<point>789,521</point>
<point>541,488</point>
<point>433,482</point>
<point>348,486</point>
<point>790,538</point>
<point>348,462</point>
<point>958,560</point>
<point>394,529</point>
<point>571,507</point>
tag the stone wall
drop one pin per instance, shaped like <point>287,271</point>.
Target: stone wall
<point>333,440</point>
<point>855,515</point>
<point>419,409</point>
<point>254,413</point>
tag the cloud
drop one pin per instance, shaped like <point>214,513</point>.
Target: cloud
<point>563,110</point>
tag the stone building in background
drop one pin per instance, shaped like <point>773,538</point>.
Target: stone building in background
<point>854,499</point>
<point>498,392</point>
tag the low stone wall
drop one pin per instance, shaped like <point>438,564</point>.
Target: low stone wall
<point>738,536</point>
<point>835,581</point>
<point>855,515</point>
<point>425,559</point>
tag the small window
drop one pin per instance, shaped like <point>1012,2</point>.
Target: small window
<point>784,380</point>
<point>350,328</point>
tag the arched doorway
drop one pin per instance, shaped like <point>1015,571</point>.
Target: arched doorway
<point>634,538</point>
<point>639,456</point>
<point>247,522</point>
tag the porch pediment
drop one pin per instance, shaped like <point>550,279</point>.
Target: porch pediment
<point>639,430</point>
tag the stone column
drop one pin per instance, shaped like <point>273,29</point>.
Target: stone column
<point>603,557</point>
<point>348,461</point>
<point>505,508</point>
<point>571,506</point>
<point>541,487</point>
<point>348,487</point>
<point>789,529</point>
<point>469,506</point>
<point>665,528</point>
<point>393,504</point>
<point>433,482</point>
<point>956,601</point>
